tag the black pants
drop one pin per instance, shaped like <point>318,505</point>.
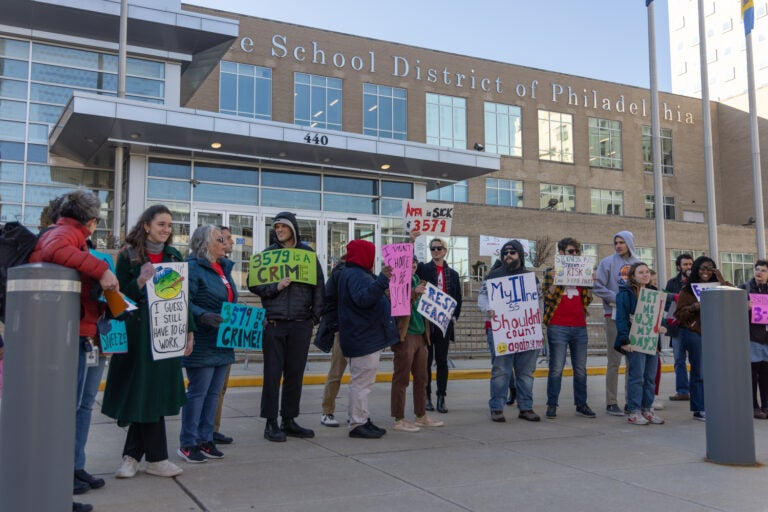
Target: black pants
<point>147,440</point>
<point>285,348</point>
<point>760,381</point>
<point>438,352</point>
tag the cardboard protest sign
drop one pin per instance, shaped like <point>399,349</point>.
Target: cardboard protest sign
<point>574,270</point>
<point>400,258</point>
<point>759,308</point>
<point>649,312</point>
<point>113,337</point>
<point>242,328</point>
<point>427,217</point>
<point>491,245</point>
<point>516,324</point>
<point>437,307</point>
<point>167,298</point>
<point>699,287</point>
<point>273,266</point>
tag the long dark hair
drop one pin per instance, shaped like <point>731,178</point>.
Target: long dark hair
<point>698,262</point>
<point>137,237</point>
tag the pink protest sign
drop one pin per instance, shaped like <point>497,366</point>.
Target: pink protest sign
<point>400,258</point>
<point>759,308</point>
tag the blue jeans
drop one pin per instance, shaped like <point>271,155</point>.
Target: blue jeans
<point>641,380</point>
<point>88,380</point>
<point>489,338</point>
<point>199,413</point>
<point>681,370</point>
<point>560,339</point>
<point>523,364</point>
<point>691,343</point>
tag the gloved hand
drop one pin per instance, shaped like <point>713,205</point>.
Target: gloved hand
<point>211,319</point>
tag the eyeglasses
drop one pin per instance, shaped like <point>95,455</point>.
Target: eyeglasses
<point>220,239</point>
<point>436,248</point>
<point>510,251</point>
<point>573,251</point>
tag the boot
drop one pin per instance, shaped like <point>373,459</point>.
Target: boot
<point>293,429</point>
<point>273,433</point>
<point>430,407</point>
<point>441,404</point>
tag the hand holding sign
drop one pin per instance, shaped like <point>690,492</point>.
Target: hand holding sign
<point>759,303</point>
<point>398,259</point>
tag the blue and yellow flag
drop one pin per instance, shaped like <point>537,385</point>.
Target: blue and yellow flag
<point>748,15</point>
<point>648,2</point>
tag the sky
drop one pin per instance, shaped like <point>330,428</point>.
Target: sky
<point>600,39</point>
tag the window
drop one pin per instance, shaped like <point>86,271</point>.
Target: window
<point>561,198</point>
<point>503,129</point>
<point>354,195</point>
<point>385,111</point>
<point>458,254</point>
<point>736,267</point>
<point>607,202</point>
<point>605,143</point>
<point>646,255</point>
<point>503,192</point>
<point>669,207</point>
<point>590,250</point>
<point>555,136</point>
<point>317,101</point>
<point>667,166</point>
<point>245,90</point>
<point>446,121</point>
<point>456,193</point>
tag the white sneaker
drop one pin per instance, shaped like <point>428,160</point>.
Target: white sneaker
<point>658,405</point>
<point>426,421</point>
<point>404,425</point>
<point>128,467</point>
<point>164,468</point>
<point>329,421</point>
<point>652,417</point>
<point>636,418</point>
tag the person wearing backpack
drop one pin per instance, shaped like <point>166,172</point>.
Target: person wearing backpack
<point>67,245</point>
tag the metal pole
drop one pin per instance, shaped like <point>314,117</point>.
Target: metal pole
<point>37,423</point>
<point>658,185</point>
<point>122,60</point>
<point>757,179</point>
<point>706,117</point>
<point>726,371</point>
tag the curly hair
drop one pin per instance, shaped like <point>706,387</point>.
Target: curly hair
<point>137,237</point>
<point>200,242</point>
<point>81,205</point>
<point>695,278</point>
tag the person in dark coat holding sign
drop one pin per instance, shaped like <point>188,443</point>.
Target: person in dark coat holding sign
<point>446,279</point>
<point>210,286</point>
<point>292,310</point>
<point>140,391</point>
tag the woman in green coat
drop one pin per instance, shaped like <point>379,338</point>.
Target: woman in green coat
<point>140,391</point>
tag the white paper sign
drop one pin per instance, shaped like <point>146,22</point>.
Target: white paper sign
<point>427,217</point>
<point>574,270</point>
<point>491,245</point>
<point>699,287</point>
<point>167,297</point>
<point>437,307</point>
<point>516,323</point>
<point>644,333</point>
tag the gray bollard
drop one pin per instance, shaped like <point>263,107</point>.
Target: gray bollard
<point>37,421</point>
<point>726,373</point>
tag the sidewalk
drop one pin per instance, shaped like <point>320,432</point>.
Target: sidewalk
<point>471,464</point>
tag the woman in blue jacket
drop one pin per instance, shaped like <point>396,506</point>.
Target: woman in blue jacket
<point>210,286</point>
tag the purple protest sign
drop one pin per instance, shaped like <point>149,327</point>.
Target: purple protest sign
<point>400,258</point>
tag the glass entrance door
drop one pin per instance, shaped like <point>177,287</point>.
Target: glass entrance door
<point>241,226</point>
<point>340,232</point>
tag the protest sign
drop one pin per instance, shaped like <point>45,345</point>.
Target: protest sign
<point>113,337</point>
<point>167,299</point>
<point>427,217</point>
<point>574,270</point>
<point>242,328</point>
<point>491,245</point>
<point>644,333</point>
<point>273,266</point>
<point>759,308</point>
<point>437,307</point>
<point>516,324</point>
<point>400,258</point>
<point>699,287</point>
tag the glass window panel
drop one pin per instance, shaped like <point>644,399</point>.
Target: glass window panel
<point>264,98</point>
<point>38,194</point>
<point>166,189</point>
<point>73,57</point>
<point>244,176</point>
<point>245,95</point>
<point>12,130</point>
<point>10,109</point>
<point>145,68</point>
<point>397,189</point>
<point>144,87</point>
<point>14,48</point>
<point>350,185</point>
<point>14,68</point>
<point>37,153</point>
<point>228,93</point>
<point>10,192</point>
<point>180,212</point>
<point>350,204</point>
<point>13,89</point>
<point>290,199</point>
<point>170,169</point>
<point>226,194</point>
<point>282,179</point>
<point>9,212</point>
<point>392,207</point>
<point>10,171</point>
<point>44,113</point>
<point>38,133</point>
<point>75,177</point>
<point>11,151</point>
<point>50,94</point>
<point>79,78</point>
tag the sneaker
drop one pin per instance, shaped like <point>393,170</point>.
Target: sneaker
<point>614,410</point>
<point>551,411</point>
<point>700,415</point>
<point>658,405</point>
<point>209,450</point>
<point>128,467</point>
<point>220,438</point>
<point>635,418</point>
<point>364,431</point>
<point>92,481</point>
<point>426,421</point>
<point>498,416</point>
<point>652,417</point>
<point>529,415</point>
<point>680,397</point>
<point>164,468</point>
<point>585,411</point>
<point>81,507</point>
<point>329,421</point>
<point>759,414</point>
<point>404,425</point>
<point>375,428</point>
<point>192,454</point>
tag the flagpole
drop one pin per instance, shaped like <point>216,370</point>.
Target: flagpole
<point>706,117</point>
<point>658,185</point>
<point>757,180</point>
